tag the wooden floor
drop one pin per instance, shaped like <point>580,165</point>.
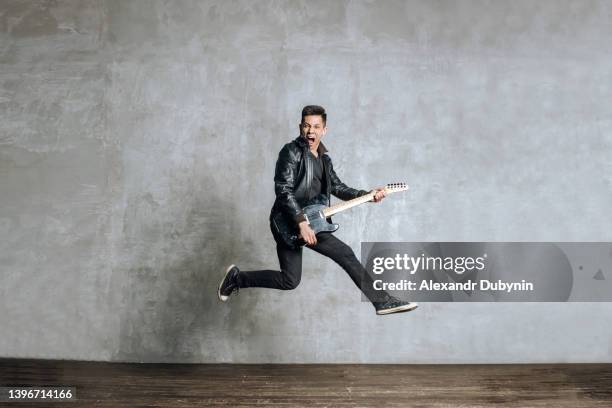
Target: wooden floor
<point>236,385</point>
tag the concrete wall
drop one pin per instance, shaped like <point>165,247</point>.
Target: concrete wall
<point>137,148</point>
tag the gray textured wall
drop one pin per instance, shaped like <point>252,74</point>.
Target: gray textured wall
<point>137,147</point>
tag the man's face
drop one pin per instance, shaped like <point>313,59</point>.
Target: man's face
<point>313,129</point>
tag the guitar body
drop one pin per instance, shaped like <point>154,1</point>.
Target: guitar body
<point>287,232</point>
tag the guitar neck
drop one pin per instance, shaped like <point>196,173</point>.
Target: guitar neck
<point>345,205</point>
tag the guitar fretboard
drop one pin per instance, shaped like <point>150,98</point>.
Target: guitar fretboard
<point>345,205</point>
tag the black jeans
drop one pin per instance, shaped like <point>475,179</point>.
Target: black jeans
<point>291,268</point>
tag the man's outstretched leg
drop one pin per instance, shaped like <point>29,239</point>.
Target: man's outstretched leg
<point>287,278</point>
<point>343,255</point>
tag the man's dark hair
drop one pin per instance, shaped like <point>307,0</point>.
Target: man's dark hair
<point>314,110</point>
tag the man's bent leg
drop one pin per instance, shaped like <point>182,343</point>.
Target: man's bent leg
<point>287,278</point>
<point>343,255</point>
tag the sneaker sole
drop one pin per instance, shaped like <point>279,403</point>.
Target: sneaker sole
<point>224,298</point>
<point>399,309</point>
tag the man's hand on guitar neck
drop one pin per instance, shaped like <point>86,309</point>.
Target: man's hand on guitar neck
<point>307,234</point>
<point>380,194</point>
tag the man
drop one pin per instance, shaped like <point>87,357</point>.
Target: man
<point>304,171</point>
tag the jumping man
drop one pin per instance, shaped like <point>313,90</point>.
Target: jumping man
<point>303,172</point>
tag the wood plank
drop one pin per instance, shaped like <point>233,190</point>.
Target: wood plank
<point>317,385</point>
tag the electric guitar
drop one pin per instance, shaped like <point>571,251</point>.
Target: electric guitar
<point>317,214</point>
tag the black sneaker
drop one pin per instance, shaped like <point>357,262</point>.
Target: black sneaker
<point>229,283</point>
<point>394,305</point>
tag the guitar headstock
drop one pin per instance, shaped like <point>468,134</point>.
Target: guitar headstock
<point>396,187</point>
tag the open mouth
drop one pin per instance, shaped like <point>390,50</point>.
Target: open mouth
<point>311,138</point>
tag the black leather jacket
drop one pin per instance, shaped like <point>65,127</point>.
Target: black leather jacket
<point>293,177</point>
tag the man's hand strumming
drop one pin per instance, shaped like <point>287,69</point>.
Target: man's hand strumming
<point>307,234</point>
